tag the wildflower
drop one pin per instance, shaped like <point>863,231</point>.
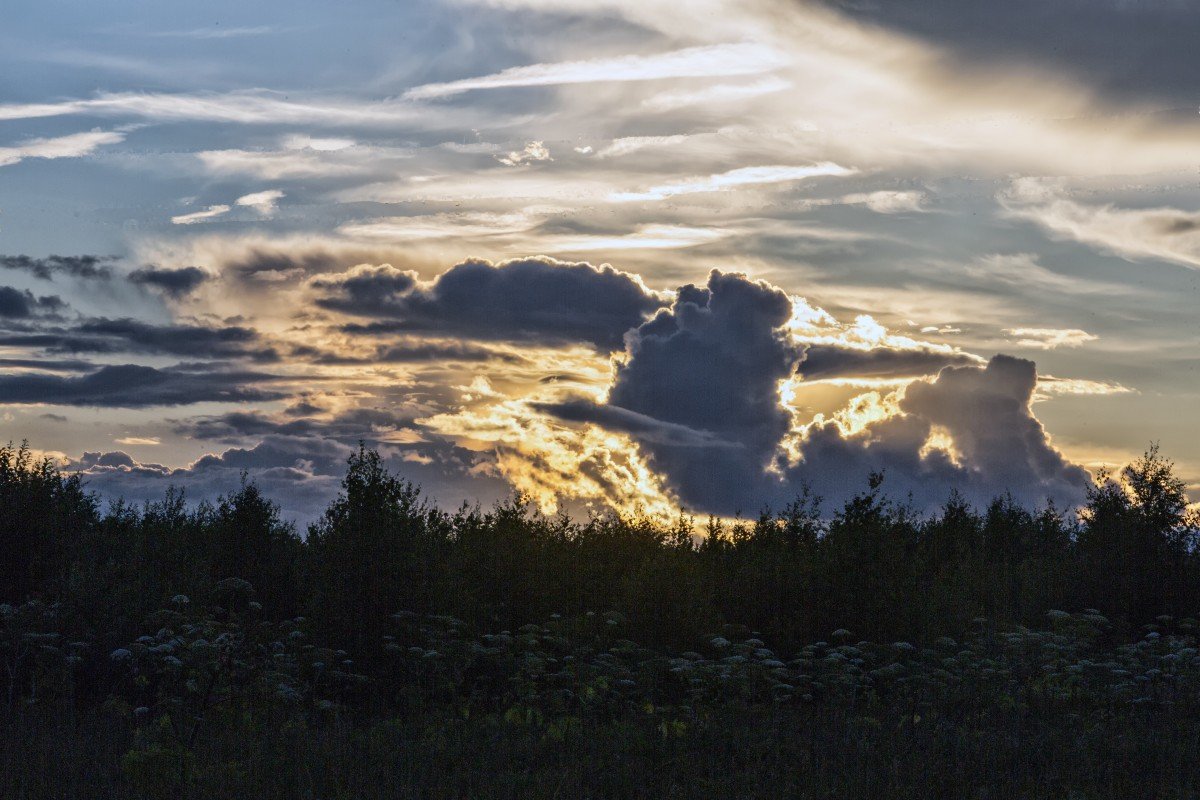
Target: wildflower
<point>180,600</point>
<point>121,654</point>
<point>720,641</point>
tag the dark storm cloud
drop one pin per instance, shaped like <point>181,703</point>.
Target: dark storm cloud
<point>707,373</point>
<point>713,364</point>
<point>134,386</point>
<point>93,267</point>
<point>987,413</point>
<point>175,282</point>
<point>126,335</point>
<point>532,299</point>
<point>195,341</point>
<point>643,427</point>
<point>15,303</point>
<point>834,361</point>
<point>270,265</point>
<point>48,364</point>
<point>351,426</point>
<point>413,353</point>
<point>1133,50</point>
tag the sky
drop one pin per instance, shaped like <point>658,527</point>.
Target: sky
<point>612,254</point>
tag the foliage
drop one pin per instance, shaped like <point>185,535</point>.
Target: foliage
<point>209,649</point>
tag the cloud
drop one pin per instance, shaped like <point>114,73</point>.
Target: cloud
<point>256,107</point>
<point>440,226</point>
<point>829,361</point>
<point>15,303</point>
<point>692,62</point>
<point>631,144</point>
<point>713,364</point>
<point>1050,338</point>
<point>647,237</point>
<point>534,151</point>
<point>143,441</point>
<point>302,475</point>
<point>743,176</point>
<point>1165,234</point>
<point>715,95</point>
<point>178,339</point>
<point>699,390</point>
<point>73,145</point>
<point>212,212</point>
<point>987,415</point>
<point>888,202</point>
<point>218,32</point>
<point>45,268</point>
<point>646,428</point>
<point>175,282</point>
<point>531,299</point>
<point>326,144</point>
<point>265,202</point>
<point>134,386</point>
<point>1049,385</point>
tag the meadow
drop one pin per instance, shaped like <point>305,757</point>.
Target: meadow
<point>398,650</point>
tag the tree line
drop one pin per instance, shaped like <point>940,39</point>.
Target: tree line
<point>874,566</point>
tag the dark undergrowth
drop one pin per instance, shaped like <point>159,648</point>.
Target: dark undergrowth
<point>397,650</point>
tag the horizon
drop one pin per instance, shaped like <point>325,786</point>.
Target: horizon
<point>603,254</point>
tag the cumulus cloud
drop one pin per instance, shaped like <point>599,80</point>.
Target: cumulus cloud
<point>713,365</point>
<point>176,282</point>
<point>533,151</point>
<point>71,146</point>
<point>531,299</point>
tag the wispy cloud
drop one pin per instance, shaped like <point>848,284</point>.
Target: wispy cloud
<point>746,176</point>
<point>649,237</point>
<point>244,107</point>
<point>888,202</point>
<point>692,62</point>
<point>217,32</point>
<point>438,226</point>
<point>1050,338</point>
<point>70,146</point>
<point>211,212</point>
<point>715,95</point>
<point>631,144</point>
<point>1049,385</point>
<point>138,440</point>
<point>1167,234</point>
<point>265,202</point>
